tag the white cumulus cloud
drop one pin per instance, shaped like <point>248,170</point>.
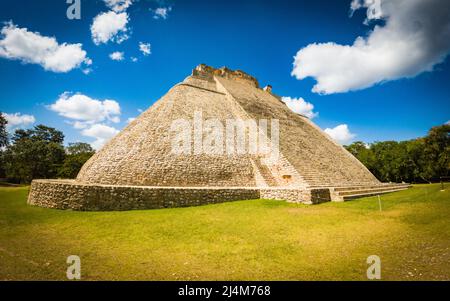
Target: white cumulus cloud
<point>161,12</point>
<point>300,106</point>
<point>102,134</point>
<point>414,38</point>
<point>341,134</point>
<point>145,48</point>
<point>84,110</point>
<point>89,115</point>
<point>110,26</point>
<point>116,56</point>
<point>31,47</point>
<point>18,120</point>
<point>118,5</point>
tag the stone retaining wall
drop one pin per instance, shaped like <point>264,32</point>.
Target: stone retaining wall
<point>69,194</point>
<point>62,194</point>
<point>306,196</point>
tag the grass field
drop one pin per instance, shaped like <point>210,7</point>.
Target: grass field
<point>246,240</point>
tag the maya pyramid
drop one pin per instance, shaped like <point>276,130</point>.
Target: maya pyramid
<point>138,169</point>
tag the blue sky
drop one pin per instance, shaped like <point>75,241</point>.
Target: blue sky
<point>259,37</point>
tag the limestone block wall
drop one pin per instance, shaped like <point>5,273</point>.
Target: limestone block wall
<point>306,196</point>
<point>70,194</point>
<point>66,194</point>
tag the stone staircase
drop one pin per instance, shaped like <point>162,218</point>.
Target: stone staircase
<point>314,178</point>
<point>266,173</point>
<point>338,193</point>
<point>344,193</point>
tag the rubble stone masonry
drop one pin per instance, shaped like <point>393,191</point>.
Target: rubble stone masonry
<point>69,194</point>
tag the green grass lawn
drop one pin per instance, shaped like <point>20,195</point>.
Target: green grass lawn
<point>246,240</point>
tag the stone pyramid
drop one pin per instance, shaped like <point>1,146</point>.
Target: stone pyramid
<point>138,169</point>
<point>141,153</point>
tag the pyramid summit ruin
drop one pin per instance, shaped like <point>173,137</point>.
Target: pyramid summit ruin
<point>138,169</point>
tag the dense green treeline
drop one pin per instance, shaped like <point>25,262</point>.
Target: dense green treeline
<point>419,160</point>
<point>40,153</point>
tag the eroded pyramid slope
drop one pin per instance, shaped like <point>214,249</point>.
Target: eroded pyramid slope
<point>142,153</point>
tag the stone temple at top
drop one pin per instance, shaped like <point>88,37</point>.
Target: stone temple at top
<point>138,168</point>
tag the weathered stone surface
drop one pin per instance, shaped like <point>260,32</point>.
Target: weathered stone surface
<point>141,154</point>
<point>70,194</point>
<point>306,196</point>
<point>64,194</point>
<point>137,169</point>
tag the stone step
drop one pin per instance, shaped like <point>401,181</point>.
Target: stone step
<point>355,196</point>
<point>369,190</point>
<point>365,184</point>
<point>266,173</point>
<point>354,187</point>
<point>326,184</point>
<point>310,174</point>
<point>317,180</point>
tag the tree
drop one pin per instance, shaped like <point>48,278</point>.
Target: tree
<point>79,148</point>
<point>3,142</point>
<point>3,133</point>
<point>418,160</point>
<point>77,155</point>
<point>34,153</point>
<point>364,153</point>
<point>39,133</point>
<point>437,152</point>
